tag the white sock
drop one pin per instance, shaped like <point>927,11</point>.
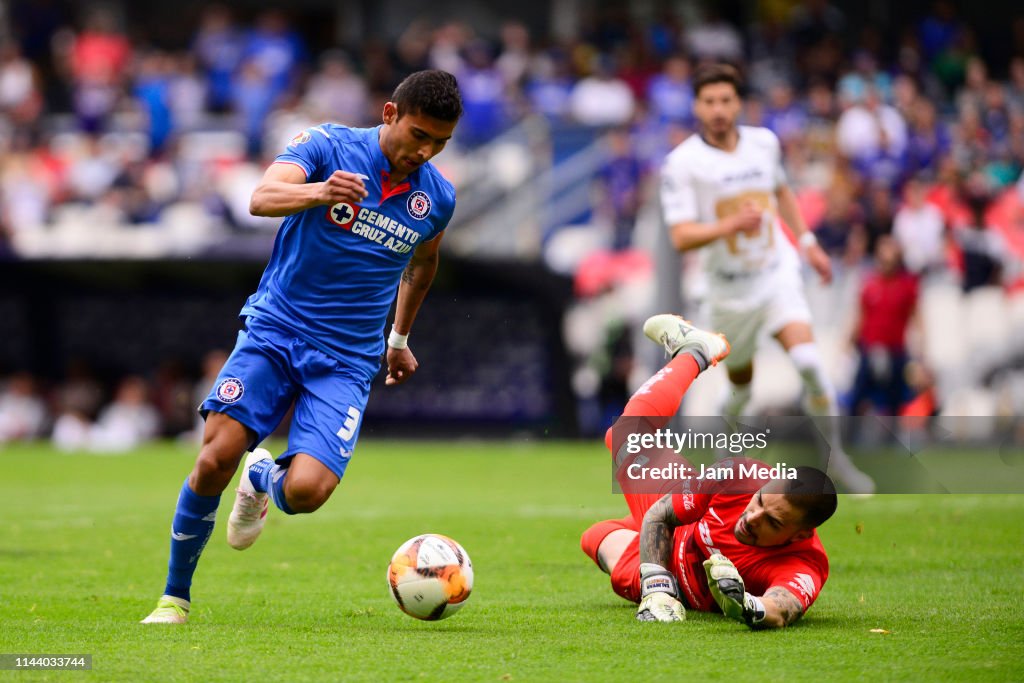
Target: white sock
<point>819,395</point>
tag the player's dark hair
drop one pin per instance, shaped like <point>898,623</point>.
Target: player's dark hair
<point>706,74</point>
<point>813,493</point>
<point>432,93</point>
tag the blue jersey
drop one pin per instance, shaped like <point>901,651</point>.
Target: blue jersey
<point>335,269</point>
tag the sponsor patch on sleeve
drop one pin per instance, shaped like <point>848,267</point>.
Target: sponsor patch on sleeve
<point>230,390</point>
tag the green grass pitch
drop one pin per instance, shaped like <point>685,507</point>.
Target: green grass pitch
<point>84,540</point>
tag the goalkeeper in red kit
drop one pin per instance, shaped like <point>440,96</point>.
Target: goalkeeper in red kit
<point>746,547</point>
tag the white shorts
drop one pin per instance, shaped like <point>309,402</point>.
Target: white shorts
<point>744,324</point>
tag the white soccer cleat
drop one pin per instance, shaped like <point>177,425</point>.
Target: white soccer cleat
<point>676,334</point>
<point>250,509</point>
<point>169,610</point>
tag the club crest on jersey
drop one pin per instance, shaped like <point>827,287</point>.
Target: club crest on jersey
<point>230,390</point>
<point>342,215</point>
<point>418,205</point>
<point>301,139</point>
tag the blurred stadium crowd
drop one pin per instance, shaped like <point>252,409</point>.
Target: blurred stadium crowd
<point>906,156</point>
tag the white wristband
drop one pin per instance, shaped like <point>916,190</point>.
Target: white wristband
<point>398,341</point>
<point>807,240</point>
<point>753,609</point>
<point>656,579</point>
<point>650,568</point>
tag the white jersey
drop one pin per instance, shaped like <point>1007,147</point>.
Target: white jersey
<point>702,183</point>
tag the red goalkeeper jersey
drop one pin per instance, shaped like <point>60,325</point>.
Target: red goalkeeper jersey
<point>708,520</point>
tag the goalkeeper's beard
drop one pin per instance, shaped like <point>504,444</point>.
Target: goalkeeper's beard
<point>743,533</point>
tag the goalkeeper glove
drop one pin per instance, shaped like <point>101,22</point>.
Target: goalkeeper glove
<point>659,595</point>
<point>726,586</point>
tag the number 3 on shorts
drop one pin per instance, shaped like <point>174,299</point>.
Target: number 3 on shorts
<point>348,430</point>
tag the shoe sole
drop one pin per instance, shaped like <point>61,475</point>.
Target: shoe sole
<point>713,361</point>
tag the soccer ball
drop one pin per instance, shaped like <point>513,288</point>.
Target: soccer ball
<point>430,577</point>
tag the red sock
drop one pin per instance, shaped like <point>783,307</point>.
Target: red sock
<point>661,395</point>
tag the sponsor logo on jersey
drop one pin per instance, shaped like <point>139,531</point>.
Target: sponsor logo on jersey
<point>342,214</point>
<point>686,574</point>
<point>714,514</point>
<point>300,139</point>
<point>705,537</point>
<point>741,176</point>
<point>803,583</point>
<point>230,390</point>
<point>376,227</point>
<point>418,205</point>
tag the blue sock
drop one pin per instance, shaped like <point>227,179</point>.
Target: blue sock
<point>275,477</point>
<point>268,477</point>
<point>193,523</point>
<point>260,473</point>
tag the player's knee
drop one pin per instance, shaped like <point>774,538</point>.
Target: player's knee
<point>741,376</point>
<point>592,542</point>
<point>214,468</point>
<point>224,442</point>
<point>306,495</point>
<point>591,539</point>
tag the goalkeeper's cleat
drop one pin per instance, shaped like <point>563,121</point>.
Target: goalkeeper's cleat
<point>677,334</point>
<point>250,509</point>
<point>169,610</point>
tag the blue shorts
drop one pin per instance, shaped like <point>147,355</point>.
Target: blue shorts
<point>270,369</point>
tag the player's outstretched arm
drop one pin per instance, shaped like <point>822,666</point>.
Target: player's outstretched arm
<point>412,290</point>
<point>659,590</point>
<point>284,191</point>
<point>656,532</point>
<point>775,609</point>
<point>781,608</point>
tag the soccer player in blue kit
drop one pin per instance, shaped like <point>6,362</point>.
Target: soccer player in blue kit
<point>365,213</point>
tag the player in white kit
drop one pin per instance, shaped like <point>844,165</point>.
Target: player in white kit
<point>723,191</point>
